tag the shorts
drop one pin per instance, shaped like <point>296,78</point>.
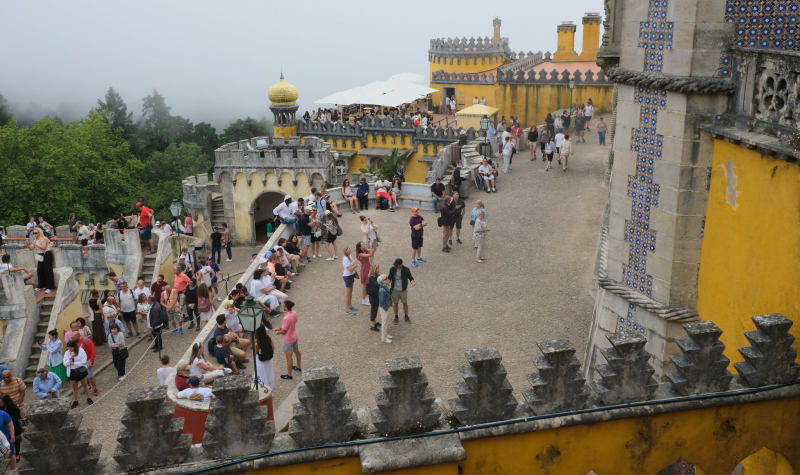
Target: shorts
<point>73,376</point>
<point>348,280</point>
<point>84,242</point>
<point>289,346</point>
<point>550,157</point>
<point>558,149</point>
<point>457,223</point>
<point>91,372</point>
<point>129,316</point>
<point>175,314</point>
<point>315,238</point>
<point>146,232</point>
<point>488,177</point>
<point>542,144</point>
<point>331,237</point>
<point>416,242</point>
<point>307,240</point>
<point>399,296</point>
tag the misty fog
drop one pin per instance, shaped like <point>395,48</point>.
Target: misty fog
<point>214,61</point>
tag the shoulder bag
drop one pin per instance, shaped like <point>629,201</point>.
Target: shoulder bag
<point>121,353</point>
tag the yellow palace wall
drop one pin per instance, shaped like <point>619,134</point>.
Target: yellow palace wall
<point>717,439</point>
<point>532,102</point>
<point>468,65</point>
<point>415,171</point>
<point>750,253</point>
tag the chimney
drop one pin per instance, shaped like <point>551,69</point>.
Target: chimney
<point>566,42</point>
<point>496,25</point>
<point>591,37</point>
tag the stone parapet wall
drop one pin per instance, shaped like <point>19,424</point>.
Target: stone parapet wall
<point>521,75</point>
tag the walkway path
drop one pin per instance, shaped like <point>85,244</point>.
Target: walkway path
<point>533,287</point>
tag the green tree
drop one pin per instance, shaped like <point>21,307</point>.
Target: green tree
<point>118,117</point>
<point>206,137</point>
<point>52,170</point>
<point>243,129</point>
<point>164,172</point>
<point>5,111</point>
<point>390,167</point>
<point>158,128</point>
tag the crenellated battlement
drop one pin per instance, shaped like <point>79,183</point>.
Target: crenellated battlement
<point>522,76</point>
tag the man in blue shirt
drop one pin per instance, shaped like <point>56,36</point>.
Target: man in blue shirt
<point>7,428</point>
<point>46,385</point>
<point>491,134</point>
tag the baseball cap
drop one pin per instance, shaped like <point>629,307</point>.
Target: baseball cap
<point>309,208</point>
<point>194,381</point>
<point>263,260</point>
<point>183,367</point>
<point>398,262</point>
<point>215,228</point>
<point>158,223</point>
<point>381,278</point>
<point>138,205</point>
<point>414,209</point>
<point>327,212</point>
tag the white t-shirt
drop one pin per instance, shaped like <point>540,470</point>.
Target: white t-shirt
<point>29,227</point>
<point>483,102</point>
<point>127,301</point>
<point>447,101</point>
<point>195,369</point>
<point>588,111</point>
<point>559,139</point>
<point>196,394</point>
<point>83,232</point>
<point>485,169</point>
<point>232,321</point>
<point>162,375</point>
<point>206,277</point>
<point>347,262</point>
<point>383,183</point>
<point>282,211</point>
<point>5,268</point>
<point>256,288</point>
<point>144,307</point>
<point>167,229</point>
<point>137,292</point>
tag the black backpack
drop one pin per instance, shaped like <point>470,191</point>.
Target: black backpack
<point>373,288</point>
<point>164,317</point>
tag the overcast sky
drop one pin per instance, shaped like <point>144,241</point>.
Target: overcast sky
<point>215,61</point>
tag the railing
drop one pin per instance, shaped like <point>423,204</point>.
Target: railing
<point>526,63</point>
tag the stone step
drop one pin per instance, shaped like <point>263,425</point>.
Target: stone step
<point>29,379</point>
<point>42,326</point>
<point>44,314</point>
<point>41,336</point>
<point>31,368</point>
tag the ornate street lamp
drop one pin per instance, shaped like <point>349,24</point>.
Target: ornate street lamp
<point>249,317</point>
<point>175,208</point>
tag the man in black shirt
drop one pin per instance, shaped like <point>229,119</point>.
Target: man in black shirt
<point>305,231</point>
<point>437,193</point>
<point>565,121</point>
<point>216,245</point>
<point>456,181</point>
<point>458,216</point>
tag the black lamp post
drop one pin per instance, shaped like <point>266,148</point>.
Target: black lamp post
<point>175,210</point>
<point>249,318</point>
<point>485,128</point>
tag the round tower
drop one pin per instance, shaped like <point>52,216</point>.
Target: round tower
<point>283,97</point>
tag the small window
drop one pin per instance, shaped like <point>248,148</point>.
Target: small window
<point>341,167</point>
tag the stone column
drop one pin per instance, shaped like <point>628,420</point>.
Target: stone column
<point>324,414</point>
<point>406,402</point>
<point>485,395</point>
<point>658,195</point>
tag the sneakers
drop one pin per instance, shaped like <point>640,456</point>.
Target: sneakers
<point>375,329</point>
<point>301,264</point>
<point>173,331</point>
<point>565,168</point>
<point>559,161</point>
<point>459,241</point>
<point>414,263</point>
<point>198,328</point>
<point>391,209</point>
<point>408,320</point>
<point>386,341</point>
<point>329,259</point>
<point>419,259</point>
<point>88,401</point>
<point>228,260</point>
<point>446,249</point>
<point>396,319</point>
<point>74,405</point>
<point>121,377</point>
<point>335,257</point>
<point>450,242</point>
<point>353,308</point>
<point>494,190</point>
<point>349,312</point>
<point>366,302</point>
<point>181,330</point>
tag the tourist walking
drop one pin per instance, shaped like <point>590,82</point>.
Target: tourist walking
<point>508,149</point>
<point>550,149</point>
<point>566,150</point>
<point>303,225</point>
<point>264,353</point>
<point>459,209</point>
<point>588,111</point>
<point>188,224</point>
<point>332,225</point>
<point>580,127</point>
<point>44,258</point>
<point>155,322</point>
<point>479,235</point>
<point>533,141</point>
<point>491,138</point>
<point>602,128</point>
<point>400,276</point>
<point>417,223</point>
<point>544,137</point>
<point>289,336</point>
<point>119,351</point>
<point>549,123</point>
<point>226,241</point>
<point>190,301</point>
<point>447,211</point>
<point>384,302</point>
<point>364,257</point>
<point>127,307</point>
<point>349,276</point>
<point>76,362</point>
<point>55,358</point>
<point>216,244</point>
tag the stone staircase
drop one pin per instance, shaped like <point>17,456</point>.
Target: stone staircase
<point>148,268</point>
<point>217,211</point>
<point>45,308</point>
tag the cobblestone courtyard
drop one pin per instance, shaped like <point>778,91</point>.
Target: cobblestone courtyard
<point>534,286</point>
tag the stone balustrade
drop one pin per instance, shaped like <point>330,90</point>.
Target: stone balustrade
<point>522,75</point>
<point>325,418</point>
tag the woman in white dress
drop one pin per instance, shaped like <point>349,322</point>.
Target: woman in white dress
<point>200,365</point>
<point>264,354</point>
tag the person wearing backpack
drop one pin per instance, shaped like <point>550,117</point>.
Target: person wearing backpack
<point>373,288</point>
<point>156,319</point>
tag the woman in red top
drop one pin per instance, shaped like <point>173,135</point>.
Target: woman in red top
<point>188,225</point>
<point>364,255</point>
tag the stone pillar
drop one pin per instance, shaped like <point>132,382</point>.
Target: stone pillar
<point>702,368</point>
<point>54,443</point>
<point>627,377</point>
<point>406,402</point>
<point>237,425</point>
<point>324,414</point>
<point>771,358</point>
<point>559,385</point>
<point>658,189</point>
<point>63,232</point>
<point>485,395</point>
<point>151,437</point>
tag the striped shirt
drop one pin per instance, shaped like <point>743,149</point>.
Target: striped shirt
<point>14,390</point>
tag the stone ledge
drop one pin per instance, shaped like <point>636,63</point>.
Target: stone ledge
<point>764,144</point>
<point>410,453</point>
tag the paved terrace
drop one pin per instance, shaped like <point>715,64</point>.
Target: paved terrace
<point>535,286</point>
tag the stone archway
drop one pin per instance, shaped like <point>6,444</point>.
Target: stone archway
<point>261,212</point>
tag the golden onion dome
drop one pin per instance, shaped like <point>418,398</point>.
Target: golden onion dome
<point>283,93</point>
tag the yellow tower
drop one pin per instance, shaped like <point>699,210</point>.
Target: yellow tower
<point>284,106</point>
<point>591,37</point>
<point>496,25</point>
<point>566,42</point>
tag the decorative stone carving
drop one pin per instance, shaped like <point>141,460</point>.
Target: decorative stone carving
<point>54,443</point>
<point>702,368</point>
<point>237,425</point>
<point>628,376</point>
<point>151,437</point>
<point>770,359</point>
<point>406,402</point>
<point>324,414</point>
<point>485,395</point>
<point>683,84</point>
<point>559,385</point>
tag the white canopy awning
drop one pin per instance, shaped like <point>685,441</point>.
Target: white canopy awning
<point>390,93</point>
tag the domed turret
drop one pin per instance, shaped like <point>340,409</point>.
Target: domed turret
<point>283,93</point>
